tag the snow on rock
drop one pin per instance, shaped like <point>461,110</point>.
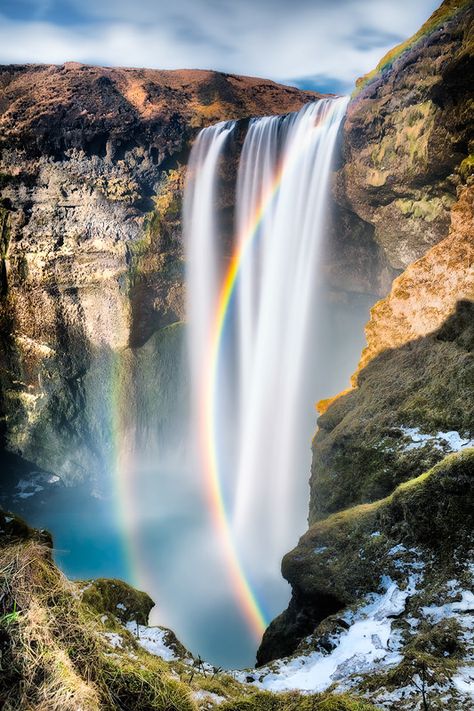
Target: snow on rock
<point>440,612</point>
<point>407,559</point>
<point>27,488</point>
<point>202,695</point>
<point>464,680</point>
<point>114,639</point>
<point>152,640</point>
<point>451,440</point>
<point>37,482</point>
<point>367,644</point>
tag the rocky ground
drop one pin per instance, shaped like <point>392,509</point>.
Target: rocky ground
<point>87,645</point>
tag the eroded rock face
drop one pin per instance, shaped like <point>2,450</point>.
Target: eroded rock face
<point>423,297</point>
<point>91,252</point>
<point>357,434</point>
<point>407,137</point>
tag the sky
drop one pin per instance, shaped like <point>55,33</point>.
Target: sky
<point>314,44</point>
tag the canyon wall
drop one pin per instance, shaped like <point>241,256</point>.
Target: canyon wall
<point>91,176</point>
<point>391,477</point>
<point>92,268</point>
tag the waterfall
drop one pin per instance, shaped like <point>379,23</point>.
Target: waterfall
<point>253,322</point>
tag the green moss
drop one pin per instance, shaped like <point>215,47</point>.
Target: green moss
<point>265,701</point>
<point>447,10</point>
<point>427,209</point>
<point>360,451</point>
<point>117,598</point>
<point>15,529</point>
<point>136,686</point>
<point>118,189</point>
<point>344,554</point>
<point>156,263</point>
<point>466,168</point>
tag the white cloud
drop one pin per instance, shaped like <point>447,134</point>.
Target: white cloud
<point>340,40</point>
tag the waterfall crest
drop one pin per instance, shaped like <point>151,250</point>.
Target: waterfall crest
<point>248,368</point>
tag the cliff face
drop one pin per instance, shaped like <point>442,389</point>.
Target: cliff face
<point>407,136</point>
<point>359,451</point>
<point>91,249</point>
<point>392,457</point>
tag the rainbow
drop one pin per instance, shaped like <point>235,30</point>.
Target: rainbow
<point>122,466</point>
<point>208,416</point>
<point>208,436</point>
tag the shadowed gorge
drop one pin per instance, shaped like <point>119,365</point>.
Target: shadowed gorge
<point>237,320</point>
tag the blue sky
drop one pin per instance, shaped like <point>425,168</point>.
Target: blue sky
<point>317,44</point>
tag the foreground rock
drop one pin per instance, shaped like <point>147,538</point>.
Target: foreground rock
<point>67,646</point>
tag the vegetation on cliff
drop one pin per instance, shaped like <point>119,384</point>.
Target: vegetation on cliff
<point>364,445</point>
<point>65,646</point>
<point>440,16</point>
<point>407,137</point>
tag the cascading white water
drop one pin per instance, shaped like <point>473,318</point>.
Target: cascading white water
<point>202,241</point>
<point>262,400</point>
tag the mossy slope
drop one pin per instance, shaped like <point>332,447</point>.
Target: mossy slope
<point>425,525</point>
<point>362,451</point>
<point>60,652</point>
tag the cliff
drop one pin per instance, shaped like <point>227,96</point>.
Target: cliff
<point>91,178</point>
<point>387,553</point>
<point>407,136</point>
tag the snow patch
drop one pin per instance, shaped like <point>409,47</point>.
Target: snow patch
<point>114,639</point>
<point>152,640</point>
<point>201,695</point>
<point>37,481</point>
<point>436,613</point>
<point>27,488</point>
<point>464,680</point>
<point>366,645</point>
<point>451,440</point>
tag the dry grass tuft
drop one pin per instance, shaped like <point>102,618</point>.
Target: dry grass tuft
<point>53,653</point>
<point>50,649</point>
